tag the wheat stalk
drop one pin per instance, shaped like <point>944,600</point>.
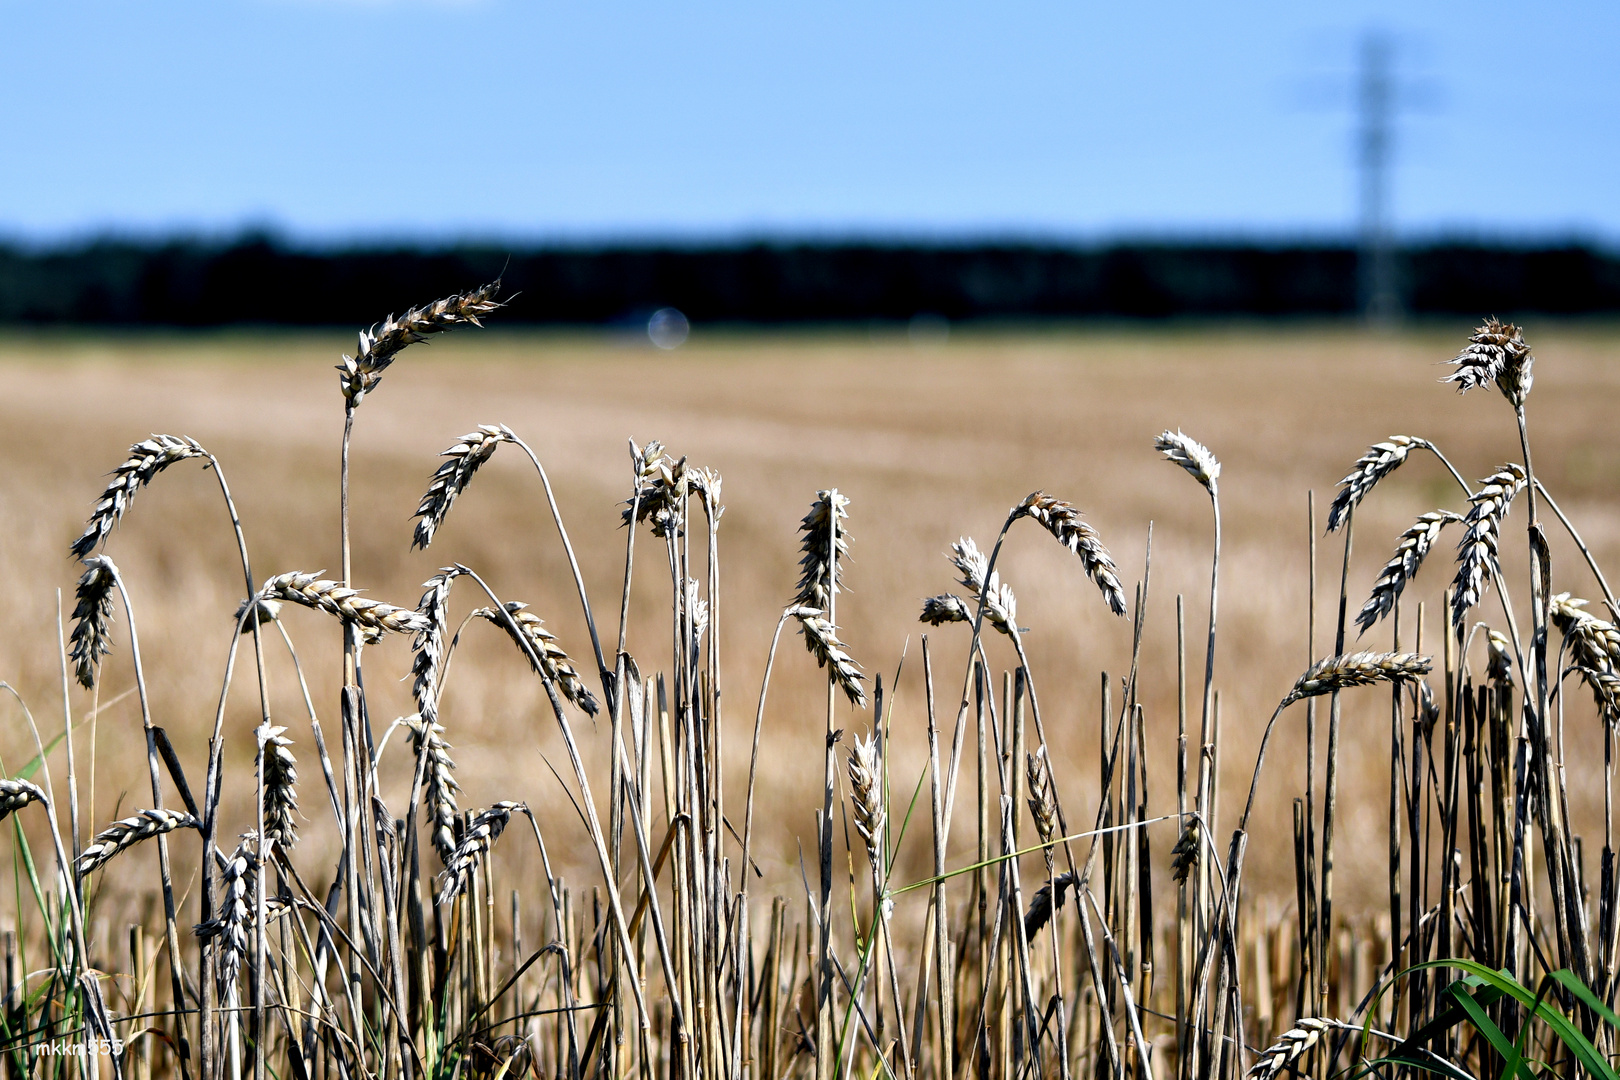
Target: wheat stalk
<point>452,477</point>
<point>360,374</point>
<point>16,794</point>
<point>1000,605</point>
<point>1062,520</point>
<point>441,786</point>
<point>147,458</point>
<point>554,662</point>
<point>822,545</point>
<point>821,638</point>
<point>1410,551</point>
<point>312,591</point>
<point>1496,352</point>
<point>865,778</point>
<point>280,786</point>
<point>1357,669</point>
<point>1378,462</point>
<point>1192,456</point>
<point>945,608</point>
<point>92,619</point>
<point>124,834</point>
<point>485,828</point>
<point>1476,554</point>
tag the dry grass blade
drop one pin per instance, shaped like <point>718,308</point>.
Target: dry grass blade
<point>1292,1045</point>
<point>945,608</point>
<point>280,787</point>
<point>1357,669</point>
<point>1063,521</point>
<point>1378,462</point>
<point>439,796</point>
<point>124,834</point>
<point>1041,906</point>
<point>312,591</point>
<point>822,544</point>
<point>361,373</point>
<point>1410,551</point>
<point>821,638</point>
<point>1496,352</point>
<point>147,458</point>
<point>1190,455</point>
<point>554,662</point>
<point>865,779</point>
<point>16,794</point>
<point>486,827</point>
<point>1476,554</point>
<point>92,619</point>
<point>452,477</point>
<point>428,661</point>
<point>1000,605</point>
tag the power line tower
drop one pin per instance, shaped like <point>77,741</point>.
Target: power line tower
<point>1379,292</point>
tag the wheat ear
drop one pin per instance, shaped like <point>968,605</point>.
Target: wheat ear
<point>92,619</point>
<point>660,495</point>
<point>441,787</point>
<point>1041,905</point>
<point>124,834</point>
<point>1357,669</point>
<point>1191,455</point>
<point>821,545</point>
<point>486,827</point>
<point>452,477</point>
<point>1000,605</point>
<point>1594,647</point>
<point>312,591</point>
<point>360,374</point>
<point>945,608</point>
<point>865,778</point>
<point>147,458</point>
<point>1378,462</point>
<point>16,794</point>
<point>1476,554</point>
<point>1496,352</point>
<point>554,662</point>
<point>1410,551</point>
<point>821,638</point>
<point>280,787</point>
<point>1062,520</point>
<point>1042,805</point>
<point>234,921</point>
<point>1292,1045</point>
<point>428,663</point>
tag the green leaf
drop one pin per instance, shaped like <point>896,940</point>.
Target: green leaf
<point>1509,1051</point>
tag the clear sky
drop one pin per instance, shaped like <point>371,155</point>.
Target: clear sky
<point>528,119</point>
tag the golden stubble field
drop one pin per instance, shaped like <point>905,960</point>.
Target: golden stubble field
<point>928,443</point>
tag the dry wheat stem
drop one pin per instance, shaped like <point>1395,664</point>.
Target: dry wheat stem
<point>1063,521</point>
<point>359,375</point>
<point>451,478</point>
<point>147,458</point>
<point>1410,551</point>
<point>312,591</point>
<point>554,663</point>
<point>121,835</point>
<point>1477,552</point>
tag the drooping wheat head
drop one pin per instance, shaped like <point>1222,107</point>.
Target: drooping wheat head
<point>122,835</point>
<point>280,787</point>
<point>1063,521</point>
<point>1357,669</point>
<point>1184,856</point>
<point>1041,905</point>
<point>235,919</point>
<point>1000,605</point>
<point>1496,352</point>
<point>822,542</point>
<point>429,646</point>
<point>147,458</point>
<point>16,794</point>
<point>1378,462</point>
<point>439,784</point>
<point>360,374</point>
<point>482,832</point>
<point>1292,1045</point>
<point>92,619</point>
<point>1192,456</point>
<point>554,662</point>
<point>821,638</point>
<point>1476,554</point>
<point>452,477</point>
<point>1498,658</point>
<point>312,591</point>
<point>262,613</point>
<point>945,608</point>
<point>1594,646</point>
<point>1410,551</point>
<point>865,779</point>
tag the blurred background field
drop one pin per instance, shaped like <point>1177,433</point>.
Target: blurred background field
<point>930,439</point>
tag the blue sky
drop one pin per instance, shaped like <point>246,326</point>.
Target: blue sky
<point>526,119</point>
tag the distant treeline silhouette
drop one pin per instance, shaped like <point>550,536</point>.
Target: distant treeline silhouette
<point>256,280</point>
